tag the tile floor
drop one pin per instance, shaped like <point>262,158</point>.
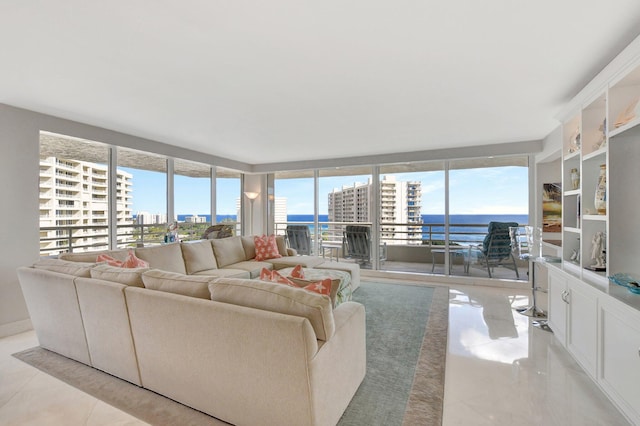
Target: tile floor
<point>500,371</point>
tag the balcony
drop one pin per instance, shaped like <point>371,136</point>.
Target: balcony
<point>416,248</point>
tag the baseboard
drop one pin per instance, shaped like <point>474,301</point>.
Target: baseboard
<point>15,327</point>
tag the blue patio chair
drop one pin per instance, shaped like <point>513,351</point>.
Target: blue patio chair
<point>496,248</point>
<point>299,238</point>
<point>357,244</point>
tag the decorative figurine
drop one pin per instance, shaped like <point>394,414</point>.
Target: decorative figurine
<point>598,252</point>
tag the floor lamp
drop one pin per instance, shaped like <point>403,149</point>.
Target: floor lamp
<point>252,197</point>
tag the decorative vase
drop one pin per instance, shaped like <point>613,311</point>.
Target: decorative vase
<point>600,201</point>
<point>575,179</point>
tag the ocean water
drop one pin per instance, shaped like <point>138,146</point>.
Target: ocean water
<point>457,233</point>
<point>434,223</point>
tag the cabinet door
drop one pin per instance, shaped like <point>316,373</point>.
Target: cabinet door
<point>620,367</point>
<point>557,304</point>
<point>582,325</point>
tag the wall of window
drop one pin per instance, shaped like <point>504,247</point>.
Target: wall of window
<point>423,218</point>
<point>82,198</point>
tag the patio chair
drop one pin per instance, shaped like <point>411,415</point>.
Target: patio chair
<point>299,238</point>
<point>496,248</point>
<point>220,230</point>
<point>357,244</point>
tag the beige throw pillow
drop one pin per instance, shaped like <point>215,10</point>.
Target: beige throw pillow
<point>198,256</point>
<point>277,298</point>
<point>187,285</point>
<point>228,251</point>
<point>167,257</point>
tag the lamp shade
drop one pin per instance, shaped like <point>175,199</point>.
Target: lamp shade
<point>252,195</point>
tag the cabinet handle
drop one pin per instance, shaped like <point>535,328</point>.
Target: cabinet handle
<point>565,296</point>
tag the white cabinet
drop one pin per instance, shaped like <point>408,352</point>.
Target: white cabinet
<point>558,304</point>
<point>573,317</point>
<point>620,357</point>
<point>582,324</point>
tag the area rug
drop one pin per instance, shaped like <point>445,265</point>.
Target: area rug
<point>404,384</point>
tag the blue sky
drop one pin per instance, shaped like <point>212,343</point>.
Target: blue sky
<point>498,190</point>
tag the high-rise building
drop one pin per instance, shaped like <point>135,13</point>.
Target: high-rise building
<point>400,206</point>
<point>75,194</point>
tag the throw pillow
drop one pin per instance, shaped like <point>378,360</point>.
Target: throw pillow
<point>266,247</point>
<point>297,272</point>
<point>111,261</point>
<point>275,277</point>
<point>321,287</point>
<point>133,262</point>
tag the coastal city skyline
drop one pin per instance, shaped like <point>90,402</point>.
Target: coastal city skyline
<point>497,190</point>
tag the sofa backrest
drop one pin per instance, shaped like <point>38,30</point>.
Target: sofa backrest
<point>171,282</point>
<point>54,310</point>
<point>106,325</point>
<point>167,257</point>
<point>278,298</point>
<point>229,251</point>
<point>90,256</point>
<point>198,256</point>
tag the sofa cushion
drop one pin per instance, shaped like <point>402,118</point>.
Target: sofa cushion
<point>126,276</point>
<point>277,298</point>
<point>167,257</point>
<point>266,247</point>
<point>78,269</point>
<point>249,247</point>
<point>252,267</point>
<point>282,245</point>
<point>171,282</point>
<point>198,256</point>
<point>91,256</point>
<point>288,261</point>
<point>228,251</point>
<point>225,272</point>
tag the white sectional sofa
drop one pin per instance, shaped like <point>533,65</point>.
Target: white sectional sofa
<point>229,257</point>
<point>245,351</point>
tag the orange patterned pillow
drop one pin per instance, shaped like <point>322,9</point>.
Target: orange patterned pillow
<point>297,272</point>
<point>321,287</point>
<point>111,261</point>
<point>275,277</point>
<point>266,247</point>
<point>133,262</point>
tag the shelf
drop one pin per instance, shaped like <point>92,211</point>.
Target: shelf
<point>572,155</point>
<point>595,277</point>
<point>572,230</point>
<point>633,123</point>
<point>598,217</point>
<point>602,152</point>
<point>572,192</point>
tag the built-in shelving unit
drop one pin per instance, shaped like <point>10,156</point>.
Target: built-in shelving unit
<point>585,149</point>
<point>599,322</point>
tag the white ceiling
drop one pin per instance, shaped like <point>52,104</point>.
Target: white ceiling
<point>291,80</point>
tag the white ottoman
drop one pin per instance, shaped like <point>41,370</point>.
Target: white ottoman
<point>352,268</point>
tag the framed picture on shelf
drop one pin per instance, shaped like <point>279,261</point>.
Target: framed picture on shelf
<point>552,207</point>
